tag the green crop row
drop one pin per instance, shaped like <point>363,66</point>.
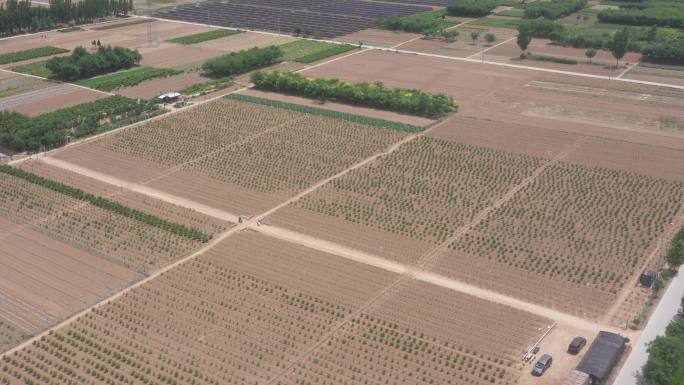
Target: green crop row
<point>332,50</point>
<point>126,78</point>
<point>28,54</point>
<point>107,204</point>
<point>203,36</point>
<point>328,113</point>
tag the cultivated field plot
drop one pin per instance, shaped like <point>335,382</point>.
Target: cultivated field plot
<point>144,203</point>
<point>316,18</point>
<point>464,46</point>
<point>116,238</point>
<point>245,40</point>
<point>441,344</point>
<point>176,56</point>
<point>585,226</point>
<point>12,84</point>
<point>159,86</point>
<point>658,75</point>
<point>49,98</point>
<point>249,309</point>
<point>378,37</point>
<point>43,280</point>
<point>241,157</point>
<point>423,192</point>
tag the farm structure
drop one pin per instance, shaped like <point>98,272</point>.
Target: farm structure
<point>322,19</point>
<point>602,356</point>
<point>278,301</point>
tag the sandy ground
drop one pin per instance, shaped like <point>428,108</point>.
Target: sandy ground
<point>378,37</point>
<point>244,40</point>
<point>48,99</point>
<point>386,115</point>
<point>169,55</point>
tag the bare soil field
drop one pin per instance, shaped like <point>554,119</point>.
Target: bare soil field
<point>417,192</point>
<point>586,226</point>
<point>441,344</point>
<point>463,46</point>
<point>658,75</point>
<point>169,55</point>
<point>244,40</point>
<point>48,99</point>
<point>14,84</point>
<point>171,212</point>
<point>546,47</point>
<point>378,37</point>
<point>350,109</point>
<point>155,87</point>
<point>44,280</point>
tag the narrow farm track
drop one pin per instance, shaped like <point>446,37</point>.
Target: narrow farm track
<point>429,258</point>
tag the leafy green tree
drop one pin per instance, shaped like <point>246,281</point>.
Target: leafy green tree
<point>619,45</point>
<point>490,38</point>
<point>675,254</point>
<point>590,53</point>
<point>474,35</point>
<point>524,37</point>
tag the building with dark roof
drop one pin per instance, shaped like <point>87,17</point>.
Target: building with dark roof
<point>602,356</point>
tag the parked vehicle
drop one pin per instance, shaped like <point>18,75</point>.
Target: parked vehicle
<point>576,345</point>
<point>542,365</point>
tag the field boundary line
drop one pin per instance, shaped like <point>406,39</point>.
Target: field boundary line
<point>141,189</point>
<point>372,47</point>
<point>57,29</point>
<point>429,257</point>
<point>491,47</point>
<point>56,81</point>
<point>629,68</point>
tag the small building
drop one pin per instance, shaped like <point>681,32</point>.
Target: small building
<point>647,278</point>
<point>602,356</point>
<point>577,378</point>
<point>169,97</point>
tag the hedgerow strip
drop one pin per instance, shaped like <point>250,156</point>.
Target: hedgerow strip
<point>106,204</point>
<point>203,36</point>
<point>328,113</point>
<point>28,54</point>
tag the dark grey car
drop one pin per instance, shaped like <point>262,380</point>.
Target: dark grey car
<point>576,345</point>
<point>541,365</point>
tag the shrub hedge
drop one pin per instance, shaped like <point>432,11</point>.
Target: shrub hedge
<point>472,8</point>
<point>665,16</point>
<point>554,9</point>
<point>107,204</point>
<point>82,64</point>
<point>370,95</point>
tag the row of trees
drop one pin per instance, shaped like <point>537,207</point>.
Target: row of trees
<point>369,95</point>
<point>653,43</point>
<point>82,64</point>
<point>554,9</point>
<point>19,16</point>
<point>243,61</point>
<point>107,204</point>
<point>665,365</point>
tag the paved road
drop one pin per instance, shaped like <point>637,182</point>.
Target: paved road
<point>665,311</point>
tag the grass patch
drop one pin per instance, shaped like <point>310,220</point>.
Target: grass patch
<point>12,57</point>
<point>35,69</point>
<point>106,204</point>
<point>498,23</point>
<point>308,51</point>
<point>328,113</point>
<point>126,78</point>
<point>515,12</point>
<point>207,87</point>
<point>552,59</point>
<point>71,29</point>
<point>203,36</point>
<point>672,67</point>
<point>121,25</point>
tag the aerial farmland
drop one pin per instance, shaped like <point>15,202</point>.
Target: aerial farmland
<point>339,192</point>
